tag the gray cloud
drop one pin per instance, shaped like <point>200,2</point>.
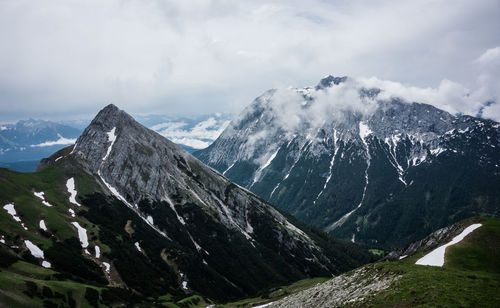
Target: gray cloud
<point>67,58</point>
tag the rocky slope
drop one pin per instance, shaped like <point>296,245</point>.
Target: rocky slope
<point>469,277</point>
<point>359,164</point>
<point>126,208</point>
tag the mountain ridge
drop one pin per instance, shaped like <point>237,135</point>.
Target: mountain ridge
<point>212,230</point>
<point>326,153</point>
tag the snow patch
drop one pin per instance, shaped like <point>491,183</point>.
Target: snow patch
<point>184,281</point>
<point>34,249</point>
<point>266,164</point>
<point>70,185</point>
<point>46,264</point>
<point>59,158</point>
<point>111,137</point>
<point>12,211</point>
<point>364,130</point>
<point>41,195</point>
<point>436,257</point>
<point>137,246</point>
<point>332,161</point>
<point>107,267</point>
<point>97,252</point>
<point>150,219</point>
<point>437,151</point>
<point>42,225</point>
<point>82,234</point>
<point>72,213</point>
<point>232,165</point>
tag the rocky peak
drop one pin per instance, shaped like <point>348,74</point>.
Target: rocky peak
<point>128,157</point>
<point>329,81</point>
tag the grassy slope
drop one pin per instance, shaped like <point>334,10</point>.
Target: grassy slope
<point>23,283</point>
<point>469,278</point>
<point>15,278</point>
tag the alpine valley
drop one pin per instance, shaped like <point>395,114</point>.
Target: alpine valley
<point>126,217</point>
<point>360,163</point>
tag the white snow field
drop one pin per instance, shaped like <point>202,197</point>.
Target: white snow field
<point>42,225</point>
<point>82,234</point>
<point>70,184</point>
<point>41,195</point>
<point>436,257</point>
<point>34,249</point>
<point>107,266</point>
<point>12,211</point>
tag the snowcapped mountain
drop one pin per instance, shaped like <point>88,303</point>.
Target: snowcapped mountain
<point>221,239</point>
<point>34,139</point>
<point>360,163</point>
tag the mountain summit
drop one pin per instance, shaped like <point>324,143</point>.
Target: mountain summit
<point>362,164</point>
<point>222,240</point>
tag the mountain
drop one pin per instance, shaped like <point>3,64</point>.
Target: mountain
<point>125,216</point>
<point>361,164</point>
<point>469,277</point>
<point>31,140</point>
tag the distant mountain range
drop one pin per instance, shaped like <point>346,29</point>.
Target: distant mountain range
<point>380,171</point>
<point>25,143</point>
<point>31,140</point>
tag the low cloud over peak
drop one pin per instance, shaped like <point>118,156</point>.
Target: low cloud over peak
<point>60,58</point>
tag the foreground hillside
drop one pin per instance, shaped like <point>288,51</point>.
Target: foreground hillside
<point>470,276</point>
<point>125,216</point>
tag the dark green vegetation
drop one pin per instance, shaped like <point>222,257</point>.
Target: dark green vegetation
<point>232,270</point>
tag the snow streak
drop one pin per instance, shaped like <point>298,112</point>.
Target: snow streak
<point>364,132</point>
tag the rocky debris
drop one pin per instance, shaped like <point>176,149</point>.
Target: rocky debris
<point>346,289</point>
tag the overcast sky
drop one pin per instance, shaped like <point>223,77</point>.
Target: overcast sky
<point>67,59</point>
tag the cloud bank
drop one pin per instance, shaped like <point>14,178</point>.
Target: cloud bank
<point>67,58</point>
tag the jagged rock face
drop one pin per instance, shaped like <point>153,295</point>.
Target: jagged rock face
<point>383,172</point>
<point>232,232</point>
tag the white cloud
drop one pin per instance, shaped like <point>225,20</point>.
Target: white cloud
<point>190,142</point>
<point>60,141</point>
<point>197,57</point>
<point>199,136</point>
<point>449,96</point>
<point>490,57</point>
